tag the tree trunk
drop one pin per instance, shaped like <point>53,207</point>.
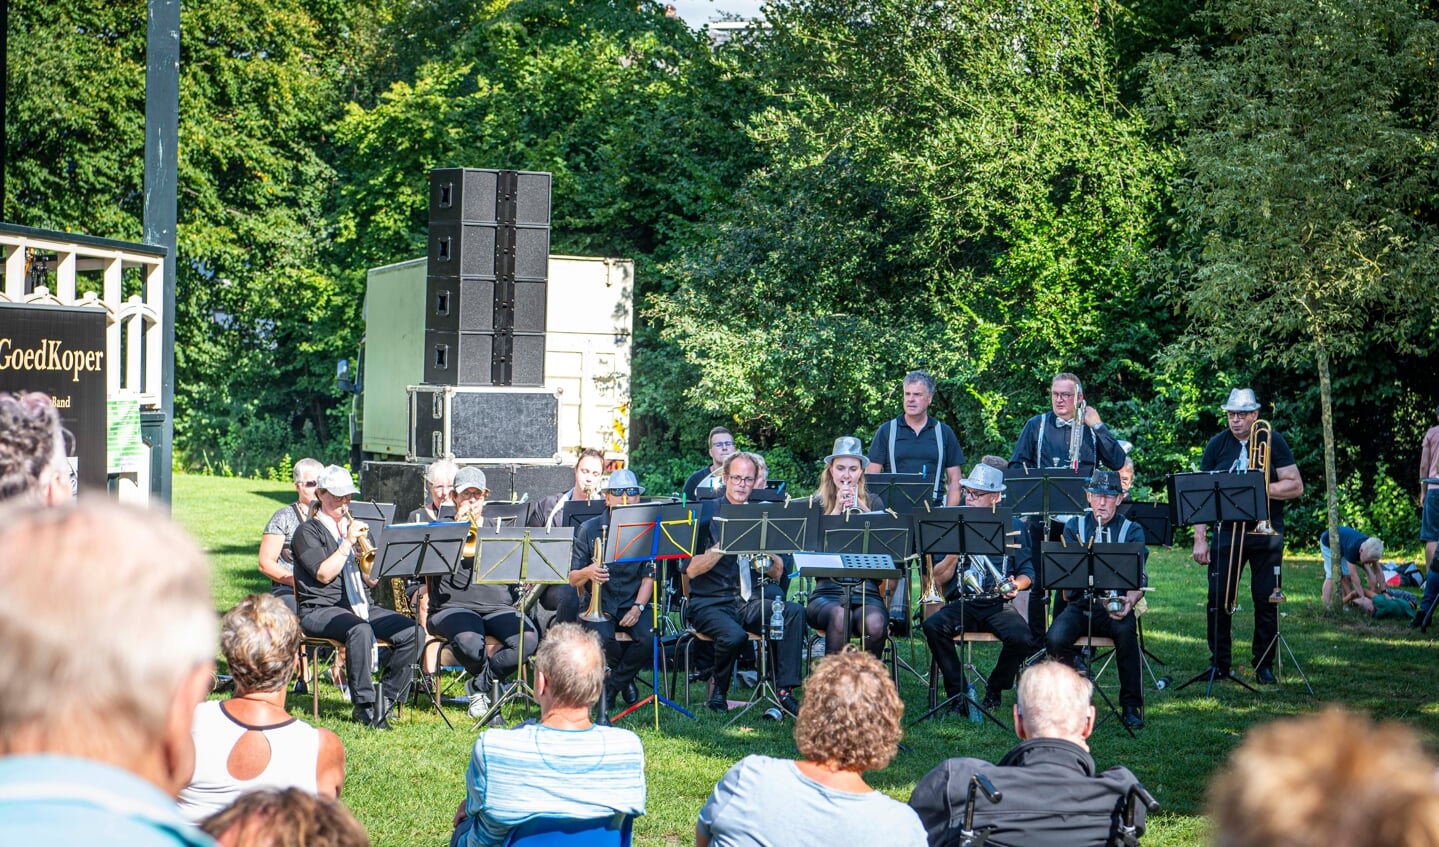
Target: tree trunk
<point>1331,483</point>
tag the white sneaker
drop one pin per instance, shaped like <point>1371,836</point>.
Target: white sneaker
<point>479,700</point>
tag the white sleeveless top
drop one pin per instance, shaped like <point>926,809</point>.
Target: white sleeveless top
<point>294,755</point>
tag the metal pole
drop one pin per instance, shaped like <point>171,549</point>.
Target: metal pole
<point>162,134</point>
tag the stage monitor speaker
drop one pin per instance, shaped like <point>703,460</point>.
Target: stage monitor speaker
<point>489,196</point>
<point>484,424</point>
<point>458,250</point>
<point>468,304</point>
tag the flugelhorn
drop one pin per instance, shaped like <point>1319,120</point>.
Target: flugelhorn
<point>1261,442</point>
<point>364,548</point>
<point>594,614</point>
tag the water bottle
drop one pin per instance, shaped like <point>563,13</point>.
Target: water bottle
<point>975,716</point>
<point>776,620</point>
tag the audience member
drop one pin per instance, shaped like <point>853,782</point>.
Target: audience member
<point>850,723</point>
<point>1378,600</point>
<point>33,467</point>
<point>250,741</point>
<point>1355,550</point>
<point>288,817</point>
<point>1329,778</point>
<point>1050,792</point>
<point>277,559</point>
<point>564,766</point>
<point>109,634</point>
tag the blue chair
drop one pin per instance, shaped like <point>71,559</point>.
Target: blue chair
<point>613,831</point>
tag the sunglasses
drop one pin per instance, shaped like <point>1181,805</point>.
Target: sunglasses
<point>625,492</point>
<point>309,484</point>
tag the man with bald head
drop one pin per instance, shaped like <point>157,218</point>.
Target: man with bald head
<point>109,648</point>
<point>1051,793</point>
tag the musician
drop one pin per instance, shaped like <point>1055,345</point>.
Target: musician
<point>277,559</point>
<point>706,482</point>
<point>560,602</point>
<point>841,490</point>
<point>624,595</point>
<point>1428,491</point>
<point>464,611</point>
<point>724,602</point>
<point>1235,543</point>
<point>334,600</point>
<point>439,482</point>
<point>915,443</point>
<point>984,609</point>
<point>1050,440</point>
<point>1092,616</point>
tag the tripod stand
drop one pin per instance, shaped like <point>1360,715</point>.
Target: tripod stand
<point>965,667</point>
<point>656,666</point>
<point>1279,641</point>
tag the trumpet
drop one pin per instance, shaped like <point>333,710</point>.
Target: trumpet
<point>594,614</point>
<point>472,538</point>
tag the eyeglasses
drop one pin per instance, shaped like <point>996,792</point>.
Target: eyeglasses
<point>722,444</point>
<point>625,492</point>
<point>1242,414</point>
<point>1061,395</point>
<point>309,483</point>
<point>742,480</point>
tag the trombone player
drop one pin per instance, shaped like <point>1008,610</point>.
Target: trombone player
<point>1238,449</point>
<point>333,593</point>
<point>620,591</point>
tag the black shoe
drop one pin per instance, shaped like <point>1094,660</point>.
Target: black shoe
<point>718,701</point>
<point>366,716</point>
<point>1265,676</point>
<point>992,701</point>
<point>630,693</point>
<point>301,688</point>
<point>788,703</point>
<point>1133,718</point>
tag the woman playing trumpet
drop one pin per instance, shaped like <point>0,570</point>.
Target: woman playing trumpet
<point>334,599</point>
<point>841,490</point>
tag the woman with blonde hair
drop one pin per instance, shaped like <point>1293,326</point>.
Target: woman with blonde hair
<point>850,723</point>
<point>249,741</point>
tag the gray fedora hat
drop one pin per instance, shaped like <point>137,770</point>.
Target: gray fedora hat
<point>846,446</point>
<point>1241,400</point>
<point>984,478</point>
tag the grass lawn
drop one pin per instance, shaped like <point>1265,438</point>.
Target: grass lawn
<point>404,785</point>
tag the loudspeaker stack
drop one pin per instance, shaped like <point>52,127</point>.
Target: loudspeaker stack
<point>489,245</point>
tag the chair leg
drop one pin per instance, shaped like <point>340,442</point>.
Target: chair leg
<point>314,682</point>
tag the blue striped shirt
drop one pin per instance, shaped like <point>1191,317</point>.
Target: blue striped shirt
<point>536,771</point>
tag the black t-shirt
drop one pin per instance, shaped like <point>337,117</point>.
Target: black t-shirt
<point>312,545</point>
<point>617,595</point>
<point>916,452</point>
<point>691,488</point>
<point>1222,454</point>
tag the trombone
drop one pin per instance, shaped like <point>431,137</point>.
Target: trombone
<point>1261,441</point>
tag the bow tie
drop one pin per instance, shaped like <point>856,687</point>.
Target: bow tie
<point>1062,424</point>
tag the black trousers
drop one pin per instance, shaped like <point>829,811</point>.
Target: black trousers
<point>828,614</point>
<point>1263,553</point>
<point>1074,623</point>
<point>340,624</point>
<point>1038,598</point>
<point>625,659</point>
<point>978,616</point>
<point>466,630</point>
<point>729,621</point>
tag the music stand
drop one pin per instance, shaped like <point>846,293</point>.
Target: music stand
<point>515,556</point>
<point>963,531</point>
<point>1092,568</point>
<point>506,514</point>
<point>576,512</point>
<point>419,550</point>
<point>902,492</point>
<point>1038,495</point>
<point>676,533</point>
<point>1217,497</point>
<point>1154,518</point>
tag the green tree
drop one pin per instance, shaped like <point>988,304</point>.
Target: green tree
<point>1307,186</point>
<point>953,186</point>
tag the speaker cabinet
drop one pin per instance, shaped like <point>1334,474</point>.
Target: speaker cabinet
<point>476,304</point>
<point>489,196</point>
<point>484,424</point>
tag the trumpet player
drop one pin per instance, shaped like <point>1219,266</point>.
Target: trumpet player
<point>981,591</point>
<point>1110,616</point>
<point>624,590</point>
<point>334,600</point>
<point>560,602</point>
<point>1238,543</point>
<point>841,490</point>
<point>465,611</point>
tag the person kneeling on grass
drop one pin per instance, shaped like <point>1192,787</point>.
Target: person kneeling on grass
<point>849,723</point>
<point>564,766</point>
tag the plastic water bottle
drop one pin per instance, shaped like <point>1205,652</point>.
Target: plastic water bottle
<point>776,620</point>
<point>975,716</point>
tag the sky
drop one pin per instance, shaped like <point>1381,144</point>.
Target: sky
<point>697,13</point>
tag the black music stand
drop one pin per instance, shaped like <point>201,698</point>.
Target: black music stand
<point>1092,568</point>
<point>515,556</point>
<point>869,533</point>
<point>676,532</point>
<point>902,492</point>
<point>764,529</point>
<point>376,516</point>
<point>506,514</point>
<point>420,550</point>
<point>1154,518</point>
<point>1218,497</point>
<point>576,512</point>
<point>963,531</point>
<point>1039,495</point>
